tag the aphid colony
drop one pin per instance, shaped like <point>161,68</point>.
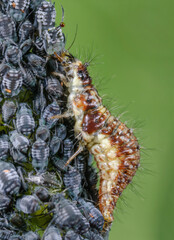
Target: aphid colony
<point>52,120</point>
<point>40,196</point>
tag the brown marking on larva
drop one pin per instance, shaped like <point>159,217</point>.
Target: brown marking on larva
<point>93,121</point>
<point>87,100</point>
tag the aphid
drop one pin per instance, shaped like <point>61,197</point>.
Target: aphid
<point>4,147</point>
<point>54,40</point>
<point>27,204</point>
<point>19,142</point>
<point>10,182</point>
<point>51,110</point>
<point>61,131</point>
<point>29,80</point>
<point>81,163</point>
<point>54,88</point>
<point>45,16</point>
<point>60,163</point>
<point>18,9</point>
<point>52,233</point>
<point>25,31</point>
<point>8,110</point>
<point>13,54</point>
<point>7,28</point>
<point>71,235</point>
<point>54,145</point>
<point>12,82</point>
<point>24,120</point>
<point>68,148</point>
<point>5,234</point>
<point>39,47</point>
<point>17,221</point>
<point>113,145</point>
<point>67,215</point>
<point>39,102</point>
<point>72,180</point>
<point>37,64</point>
<point>4,202</point>
<point>16,237</point>
<point>43,194</point>
<point>92,214</point>
<point>92,179</point>
<point>31,236</point>
<point>43,133</point>
<point>40,154</point>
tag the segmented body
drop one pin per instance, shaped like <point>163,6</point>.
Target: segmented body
<point>114,146</point>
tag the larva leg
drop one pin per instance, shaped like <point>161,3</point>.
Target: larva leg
<point>79,150</point>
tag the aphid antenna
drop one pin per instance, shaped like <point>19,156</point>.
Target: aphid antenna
<point>75,36</point>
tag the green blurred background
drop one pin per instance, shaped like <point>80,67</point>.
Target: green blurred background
<point>133,44</point>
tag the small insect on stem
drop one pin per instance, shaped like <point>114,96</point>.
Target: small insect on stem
<point>112,143</point>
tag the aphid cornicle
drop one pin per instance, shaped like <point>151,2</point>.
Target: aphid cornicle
<point>112,143</point>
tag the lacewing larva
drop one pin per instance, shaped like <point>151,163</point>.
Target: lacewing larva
<point>112,143</point>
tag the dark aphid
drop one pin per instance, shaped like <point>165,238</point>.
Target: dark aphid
<point>54,145</point>
<point>37,64</point>
<point>19,142</point>
<point>12,82</point>
<point>59,163</point>
<point>39,102</point>
<point>31,236</point>
<point>52,233</point>
<point>43,133</point>
<point>92,214</point>
<point>40,47</point>
<point>13,54</point>
<point>43,194</point>
<point>92,179</point>
<point>72,180</point>
<point>29,80</point>
<point>4,202</point>
<point>50,111</point>
<point>55,40</point>
<point>24,120</point>
<point>18,9</point>
<point>5,234</point>
<point>27,204</point>
<point>67,215</point>
<point>8,110</point>
<point>68,148</point>
<point>25,31</point>
<point>40,154</point>
<point>54,88</point>
<point>61,131</point>
<point>17,221</point>
<point>7,28</point>
<point>45,16</point>
<point>4,147</point>
<point>81,163</point>
<point>93,235</point>
<point>10,182</point>
<point>35,3</point>
<point>16,237</point>
<point>71,235</point>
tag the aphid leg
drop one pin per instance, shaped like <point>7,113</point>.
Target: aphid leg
<point>62,78</point>
<point>79,150</point>
<point>24,184</point>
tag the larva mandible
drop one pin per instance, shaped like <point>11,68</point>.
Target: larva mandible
<point>113,144</point>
